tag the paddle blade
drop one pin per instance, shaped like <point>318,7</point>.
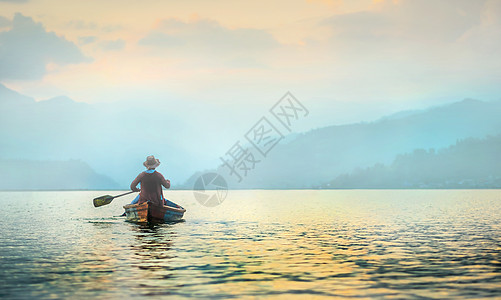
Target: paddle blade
<point>103,200</point>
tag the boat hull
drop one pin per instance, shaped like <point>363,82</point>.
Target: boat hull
<point>145,212</point>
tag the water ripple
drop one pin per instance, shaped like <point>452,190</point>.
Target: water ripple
<point>386,244</point>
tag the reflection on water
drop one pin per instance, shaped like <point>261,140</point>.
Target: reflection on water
<point>285,244</point>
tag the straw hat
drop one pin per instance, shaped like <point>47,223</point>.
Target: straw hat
<point>151,162</point>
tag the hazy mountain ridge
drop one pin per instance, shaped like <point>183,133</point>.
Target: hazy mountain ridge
<point>114,139</point>
<point>49,127</point>
<point>51,175</point>
<point>331,151</point>
<point>470,163</point>
<point>110,138</point>
<point>10,96</point>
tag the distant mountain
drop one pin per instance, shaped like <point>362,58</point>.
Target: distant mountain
<point>470,163</point>
<point>41,130</point>
<point>51,175</point>
<point>8,96</point>
<point>319,155</point>
<point>112,138</point>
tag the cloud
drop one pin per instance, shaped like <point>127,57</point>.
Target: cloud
<point>4,22</point>
<point>424,20</point>
<point>208,39</point>
<point>84,40</point>
<point>111,28</point>
<point>484,37</point>
<point>82,25</point>
<point>404,51</point>
<point>27,48</point>
<point>330,3</point>
<point>423,34</point>
<point>113,45</point>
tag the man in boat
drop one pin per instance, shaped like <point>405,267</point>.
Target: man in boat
<point>151,184</point>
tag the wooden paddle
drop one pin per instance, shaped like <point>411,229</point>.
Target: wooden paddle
<point>106,199</point>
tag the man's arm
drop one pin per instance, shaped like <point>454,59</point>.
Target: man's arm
<point>165,182</point>
<point>133,185</point>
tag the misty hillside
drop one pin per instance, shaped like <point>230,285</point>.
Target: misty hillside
<point>470,163</point>
<point>51,175</point>
<point>114,139</point>
<point>41,130</point>
<point>327,152</point>
<point>111,138</point>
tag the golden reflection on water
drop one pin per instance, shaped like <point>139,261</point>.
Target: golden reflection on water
<point>282,244</point>
<point>279,245</point>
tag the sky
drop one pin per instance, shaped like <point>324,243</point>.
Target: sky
<point>228,62</point>
<point>389,52</point>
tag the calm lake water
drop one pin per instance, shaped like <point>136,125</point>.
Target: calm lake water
<point>256,244</point>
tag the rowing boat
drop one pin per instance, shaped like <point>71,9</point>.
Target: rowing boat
<point>145,212</point>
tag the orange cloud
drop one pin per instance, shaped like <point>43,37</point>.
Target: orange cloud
<point>331,3</point>
<point>384,1</point>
